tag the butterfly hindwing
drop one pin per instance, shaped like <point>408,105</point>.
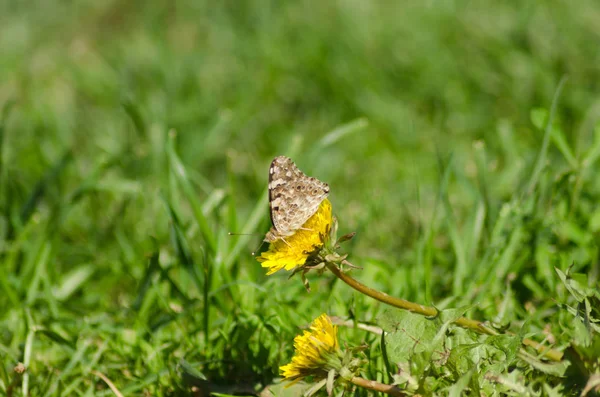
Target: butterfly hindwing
<point>293,197</point>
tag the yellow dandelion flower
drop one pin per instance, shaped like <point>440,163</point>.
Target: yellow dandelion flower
<point>295,250</point>
<point>317,351</point>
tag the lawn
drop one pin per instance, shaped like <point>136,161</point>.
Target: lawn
<point>460,142</point>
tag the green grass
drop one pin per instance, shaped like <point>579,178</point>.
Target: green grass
<point>134,136</point>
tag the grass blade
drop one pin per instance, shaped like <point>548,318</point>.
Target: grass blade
<point>40,188</point>
<point>543,153</point>
<point>182,179</point>
<point>341,132</point>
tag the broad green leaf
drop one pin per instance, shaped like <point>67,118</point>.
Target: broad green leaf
<point>407,334</point>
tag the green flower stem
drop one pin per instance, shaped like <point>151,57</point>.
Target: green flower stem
<point>376,386</point>
<point>432,311</point>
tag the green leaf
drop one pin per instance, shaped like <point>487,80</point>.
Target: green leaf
<point>508,344</point>
<point>42,185</point>
<point>562,145</point>
<point>386,358</point>
<point>458,389</point>
<point>447,316</point>
<point>462,358</point>
<point>554,369</point>
<point>133,111</point>
<point>557,391</point>
<point>576,285</point>
<point>341,131</point>
<point>330,381</point>
<point>408,334</point>
<point>73,281</point>
<point>315,388</point>
<point>594,222</point>
<point>538,117</point>
<point>181,176</point>
<point>593,153</point>
<point>190,370</point>
<point>581,333</point>
<point>57,338</point>
<point>593,383</point>
<point>182,247</point>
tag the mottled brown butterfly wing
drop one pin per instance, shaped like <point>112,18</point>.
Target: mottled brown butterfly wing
<point>293,198</point>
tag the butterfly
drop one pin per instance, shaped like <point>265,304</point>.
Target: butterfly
<point>293,198</point>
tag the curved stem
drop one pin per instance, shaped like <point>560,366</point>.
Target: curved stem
<point>432,311</point>
<point>376,386</point>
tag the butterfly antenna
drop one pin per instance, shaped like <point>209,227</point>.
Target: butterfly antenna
<point>249,234</point>
<point>257,248</point>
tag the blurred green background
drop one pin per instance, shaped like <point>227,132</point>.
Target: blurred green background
<point>421,116</point>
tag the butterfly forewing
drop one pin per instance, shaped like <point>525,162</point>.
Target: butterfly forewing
<point>293,197</point>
